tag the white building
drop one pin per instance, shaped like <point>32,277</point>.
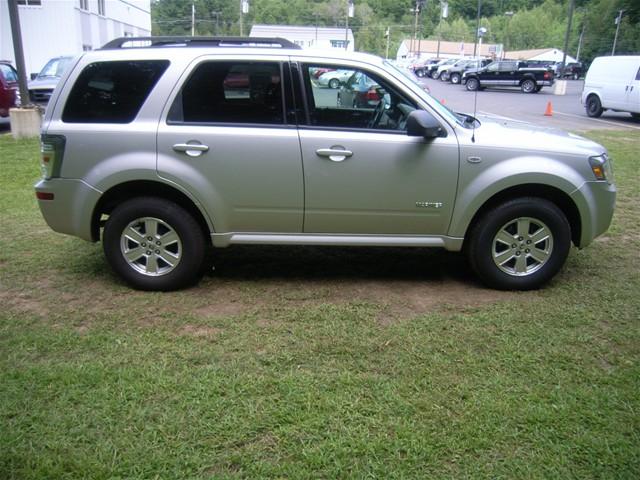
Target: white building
<point>411,49</point>
<point>544,54</point>
<point>307,37</point>
<point>53,28</point>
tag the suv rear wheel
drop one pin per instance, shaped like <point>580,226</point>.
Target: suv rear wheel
<point>520,244</point>
<point>455,78</point>
<point>154,244</point>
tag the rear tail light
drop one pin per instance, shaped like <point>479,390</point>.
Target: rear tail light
<point>372,95</point>
<point>52,151</point>
<point>546,75</point>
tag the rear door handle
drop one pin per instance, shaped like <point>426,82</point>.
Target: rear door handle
<point>335,154</point>
<point>191,149</point>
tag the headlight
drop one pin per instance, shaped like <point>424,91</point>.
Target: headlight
<point>601,167</point>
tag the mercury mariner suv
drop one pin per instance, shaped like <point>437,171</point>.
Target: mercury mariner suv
<point>165,147</point>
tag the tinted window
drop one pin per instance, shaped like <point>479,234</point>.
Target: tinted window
<point>112,92</point>
<point>363,101</point>
<point>231,92</point>
<point>638,75</point>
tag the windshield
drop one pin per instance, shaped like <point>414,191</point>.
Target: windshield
<point>444,111</point>
<point>55,67</point>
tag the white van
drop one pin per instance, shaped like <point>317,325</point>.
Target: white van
<point>613,83</point>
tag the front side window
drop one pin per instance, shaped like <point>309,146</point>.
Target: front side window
<point>231,92</point>
<point>493,67</point>
<point>363,101</point>
<point>112,92</point>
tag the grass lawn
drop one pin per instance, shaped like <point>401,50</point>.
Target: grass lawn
<point>315,362</point>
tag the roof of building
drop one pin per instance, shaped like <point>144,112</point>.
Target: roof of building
<point>275,30</point>
<point>527,54</point>
<point>448,48</point>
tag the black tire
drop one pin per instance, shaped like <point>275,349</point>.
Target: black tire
<point>538,88</point>
<point>420,72</point>
<point>528,86</point>
<point>444,77</point>
<point>334,83</point>
<point>435,75</point>
<point>635,116</point>
<point>191,246</point>
<point>473,84</point>
<point>593,106</point>
<point>455,78</point>
<point>482,244</point>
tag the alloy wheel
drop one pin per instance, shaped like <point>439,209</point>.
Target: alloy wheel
<point>522,246</point>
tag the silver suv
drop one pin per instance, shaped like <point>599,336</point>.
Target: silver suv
<point>170,146</point>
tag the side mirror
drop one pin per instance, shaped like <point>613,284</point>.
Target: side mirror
<point>423,124</point>
<point>33,76</point>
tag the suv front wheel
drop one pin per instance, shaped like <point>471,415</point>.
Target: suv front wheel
<point>520,244</point>
<point>154,244</point>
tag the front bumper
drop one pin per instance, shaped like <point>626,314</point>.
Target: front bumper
<point>596,202</point>
<point>71,209</point>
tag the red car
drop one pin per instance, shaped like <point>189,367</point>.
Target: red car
<point>8,88</point>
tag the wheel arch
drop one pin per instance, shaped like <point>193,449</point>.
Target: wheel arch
<point>125,191</point>
<point>561,199</point>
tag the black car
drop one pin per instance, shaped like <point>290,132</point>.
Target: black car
<point>509,74</point>
<point>454,74</point>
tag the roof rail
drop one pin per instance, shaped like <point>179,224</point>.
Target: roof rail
<point>144,42</point>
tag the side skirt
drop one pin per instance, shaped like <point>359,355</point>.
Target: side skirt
<point>453,244</point>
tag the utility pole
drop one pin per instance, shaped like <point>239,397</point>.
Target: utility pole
<point>244,9</point>
<point>193,19</point>
<point>350,13</point>
<point>444,7</point>
<point>615,39</point>
<point>18,52</point>
<point>580,43</point>
<point>388,35</point>
<point>566,38</point>
<point>415,29</point>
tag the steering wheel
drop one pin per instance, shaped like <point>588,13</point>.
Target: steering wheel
<point>377,114</point>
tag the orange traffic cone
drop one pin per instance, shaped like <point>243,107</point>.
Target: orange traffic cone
<point>549,111</point>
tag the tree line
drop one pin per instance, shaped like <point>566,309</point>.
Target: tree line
<point>517,24</point>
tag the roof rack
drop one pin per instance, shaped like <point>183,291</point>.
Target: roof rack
<point>145,42</point>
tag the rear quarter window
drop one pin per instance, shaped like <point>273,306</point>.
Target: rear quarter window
<point>112,92</point>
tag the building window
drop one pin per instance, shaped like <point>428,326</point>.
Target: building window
<point>30,2</point>
<point>84,4</point>
<point>86,48</point>
<point>101,7</point>
<point>339,43</point>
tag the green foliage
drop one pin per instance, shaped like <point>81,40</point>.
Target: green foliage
<point>534,23</point>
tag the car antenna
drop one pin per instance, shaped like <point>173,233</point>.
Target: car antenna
<point>477,55</point>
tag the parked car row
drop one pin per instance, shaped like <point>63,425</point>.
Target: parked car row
<point>40,87</point>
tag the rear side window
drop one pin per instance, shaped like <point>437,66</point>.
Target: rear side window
<point>112,92</point>
<point>231,92</point>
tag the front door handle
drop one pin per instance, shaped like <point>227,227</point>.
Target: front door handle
<point>335,153</point>
<point>192,149</point>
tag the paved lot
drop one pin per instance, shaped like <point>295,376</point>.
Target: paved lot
<point>568,112</point>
